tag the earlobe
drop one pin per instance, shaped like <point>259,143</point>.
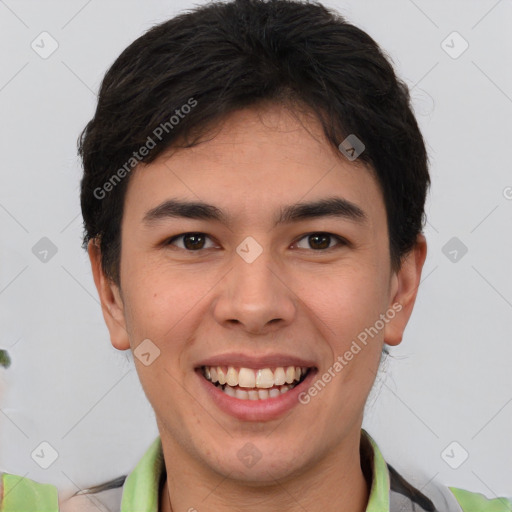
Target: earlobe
<point>110,298</point>
<point>404,291</point>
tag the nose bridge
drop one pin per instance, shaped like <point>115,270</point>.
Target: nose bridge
<point>254,294</point>
<point>254,278</point>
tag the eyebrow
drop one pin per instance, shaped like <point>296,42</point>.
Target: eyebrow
<point>328,207</point>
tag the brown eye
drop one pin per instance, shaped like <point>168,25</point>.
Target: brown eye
<point>321,241</point>
<point>191,241</point>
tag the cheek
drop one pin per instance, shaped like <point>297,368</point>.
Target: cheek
<point>161,302</point>
<point>150,305</point>
<point>348,302</point>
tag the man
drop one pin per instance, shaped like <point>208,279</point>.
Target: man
<point>253,200</point>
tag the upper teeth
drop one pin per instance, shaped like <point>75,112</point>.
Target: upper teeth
<point>252,378</point>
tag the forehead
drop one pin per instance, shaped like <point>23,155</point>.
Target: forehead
<point>251,163</point>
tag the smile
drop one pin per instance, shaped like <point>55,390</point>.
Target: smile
<point>255,384</point>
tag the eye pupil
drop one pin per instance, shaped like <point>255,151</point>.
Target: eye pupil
<point>317,236</point>
<point>195,238</point>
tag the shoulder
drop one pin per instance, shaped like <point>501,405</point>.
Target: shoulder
<point>142,484</point>
<point>21,493</point>
<point>477,502</point>
<point>431,497</point>
<point>436,497</point>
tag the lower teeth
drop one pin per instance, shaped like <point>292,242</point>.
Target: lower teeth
<point>254,394</point>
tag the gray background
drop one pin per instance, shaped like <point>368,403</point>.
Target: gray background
<point>448,381</point>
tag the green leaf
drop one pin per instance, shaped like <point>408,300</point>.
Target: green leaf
<point>5,360</point>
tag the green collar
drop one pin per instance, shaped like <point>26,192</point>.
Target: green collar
<point>141,488</point>
<point>379,492</point>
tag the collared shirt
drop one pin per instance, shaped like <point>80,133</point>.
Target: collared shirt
<point>140,490</point>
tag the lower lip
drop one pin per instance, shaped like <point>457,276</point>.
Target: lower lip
<point>256,410</point>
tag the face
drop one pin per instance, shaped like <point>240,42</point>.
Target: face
<point>254,290</point>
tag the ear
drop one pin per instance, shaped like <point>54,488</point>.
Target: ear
<point>404,288</point>
<point>110,297</point>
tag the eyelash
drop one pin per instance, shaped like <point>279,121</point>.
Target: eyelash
<point>341,242</point>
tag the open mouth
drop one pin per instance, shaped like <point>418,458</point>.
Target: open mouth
<point>255,384</point>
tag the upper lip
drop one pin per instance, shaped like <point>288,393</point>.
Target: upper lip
<point>245,361</point>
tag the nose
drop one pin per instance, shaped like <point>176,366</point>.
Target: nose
<point>256,296</point>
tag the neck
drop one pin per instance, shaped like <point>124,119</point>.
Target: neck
<point>337,478</point>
